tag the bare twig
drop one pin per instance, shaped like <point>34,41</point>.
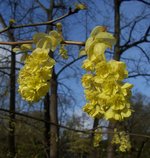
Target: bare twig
<point>130,34</point>
<point>145,2</point>
<point>142,40</point>
<point>51,22</point>
<point>138,75</point>
<point>144,53</point>
<point>41,5</point>
<point>4,72</point>
<point>30,42</point>
<point>67,65</point>
<point>87,131</point>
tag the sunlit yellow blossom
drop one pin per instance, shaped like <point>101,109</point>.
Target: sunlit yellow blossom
<point>106,38</point>
<point>97,137</point>
<point>97,30</point>
<point>63,52</point>
<point>35,75</point>
<point>99,48</point>
<point>91,94</point>
<point>96,48</point>
<point>121,139</point>
<point>126,89</point>
<point>111,88</point>
<point>88,43</point>
<point>105,92</point>
<point>118,115</point>
<point>118,69</point>
<point>49,42</point>
<point>88,65</point>
<point>94,110</point>
<point>87,80</point>
<point>102,69</point>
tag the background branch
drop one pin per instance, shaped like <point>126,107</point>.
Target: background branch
<point>70,12</point>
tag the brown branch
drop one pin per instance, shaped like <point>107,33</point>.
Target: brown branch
<point>2,68</point>
<point>142,148</point>
<point>144,53</point>
<point>142,1</point>
<point>67,65</point>
<point>4,72</point>
<point>6,28</point>
<point>70,12</point>
<point>138,75</point>
<point>130,34</point>
<point>42,120</point>
<point>148,3</point>
<point>142,40</point>
<point>73,43</point>
<point>41,5</point>
<point>30,42</point>
<point>16,43</point>
<point>88,131</point>
<point>138,19</point>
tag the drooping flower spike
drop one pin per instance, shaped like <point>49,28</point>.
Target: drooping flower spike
<point>106,94</point>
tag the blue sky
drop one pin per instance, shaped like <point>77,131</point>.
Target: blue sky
<point>101,13</point>
<point>129,12</point>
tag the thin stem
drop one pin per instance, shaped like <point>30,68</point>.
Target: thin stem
<point>88,131</point>
<point>30,42</point>
<point>70,12</point>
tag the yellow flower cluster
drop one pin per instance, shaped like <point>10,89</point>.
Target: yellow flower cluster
<point>106,94</point>
<point>121,139</point>
<point>35,75</point>
<point>97,137</point>
<point>63,52</point>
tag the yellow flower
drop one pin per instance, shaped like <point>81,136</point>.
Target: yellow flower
<point>63,52</point>
<point>118,69</point>
<point>87,80</point>
<point>102,69</point>
<point>97,137</point>
<point>107,95</point>
<point>97,49</point>
<point>49,42</point>
<point>88,65</point>
<point>122,140</point>
<point>126,89</point>
<point>91,94</point>
<point>35,75</point>
<point>80,6</point>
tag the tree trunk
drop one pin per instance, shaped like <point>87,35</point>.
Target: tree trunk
<point>117,54</point>
<point>141,148</point>
<point>11,136</point>
<point>47,126</point>
<point>110,148</point>
<point>53,118</point>
<point>50,104</point>
<point>93,153</point>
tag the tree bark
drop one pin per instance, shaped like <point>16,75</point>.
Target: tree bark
<point>50,104</point>
<point>141,148</point>
<point>93,153</point>
<point>117,54</point>
<point>54,130</point>
<point>11,135</point>
<point>47,126</point>
<point>117,51</point>
<point>110,148</point>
